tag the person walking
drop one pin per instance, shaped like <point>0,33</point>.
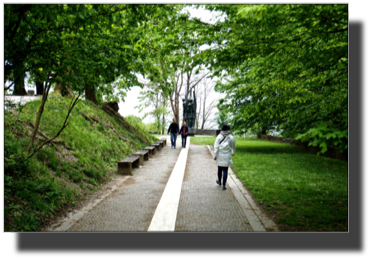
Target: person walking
<point>173,129</point>
<point>224,149</point>
<point>184,131</point>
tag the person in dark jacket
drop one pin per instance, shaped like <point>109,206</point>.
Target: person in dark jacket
<point>184,131</point>
<point>173,129</point>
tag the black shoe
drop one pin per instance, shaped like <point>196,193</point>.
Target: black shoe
<point>224,188</point>
<point>218,182</point>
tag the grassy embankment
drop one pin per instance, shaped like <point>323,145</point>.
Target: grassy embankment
<point>300,190</point>
<point>84,157</point>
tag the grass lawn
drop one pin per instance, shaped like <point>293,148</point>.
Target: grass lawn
<point>298,189</point>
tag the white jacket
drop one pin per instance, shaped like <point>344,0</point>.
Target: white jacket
<point>223,152</point>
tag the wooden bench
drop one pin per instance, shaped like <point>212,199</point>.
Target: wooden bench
<point>161,142</point>
<point>151,149</point>
<point>158,146</point>
<point>125,166</point>
<point>163,139</point>
<point>143,154</point>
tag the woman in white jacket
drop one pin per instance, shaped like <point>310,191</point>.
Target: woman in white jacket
<point>224,149</point>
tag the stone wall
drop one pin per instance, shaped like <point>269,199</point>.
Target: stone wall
<point>332,152</point>
<point>209,132</point>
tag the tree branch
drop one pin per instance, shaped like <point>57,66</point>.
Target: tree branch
<point>65,124</point>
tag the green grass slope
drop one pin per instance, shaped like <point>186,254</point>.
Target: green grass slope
<point>83,158</point>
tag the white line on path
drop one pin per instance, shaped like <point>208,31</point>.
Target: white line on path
<point>166,213</point>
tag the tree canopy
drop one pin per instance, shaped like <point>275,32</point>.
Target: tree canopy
<point>77,45</point>
<point>284,67</point>
<point>281,67</point>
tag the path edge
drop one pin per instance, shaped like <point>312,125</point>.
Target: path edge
<point>248,205</point>
<point>76,215</point>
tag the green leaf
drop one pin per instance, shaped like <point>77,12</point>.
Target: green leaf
<point>323,145</point>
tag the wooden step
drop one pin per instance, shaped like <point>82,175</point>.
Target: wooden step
<point>157,145</point>
<point>143,154</point>
<point>125,166</point>
<point>163,139</point>
<point>161,142</point>
<point>151,149</point>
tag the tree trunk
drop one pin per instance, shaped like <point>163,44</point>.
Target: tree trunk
<point>19,88</point>
<point>90,95</point>
<point>69,93</point>
<point>40,88</point>
<point>157,122</point>
<point>163,123</point>
<point>58,90</point>
<point>176,107</point>
<point>38,118</point>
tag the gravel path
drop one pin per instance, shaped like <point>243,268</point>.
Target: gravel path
<point>203,205</point>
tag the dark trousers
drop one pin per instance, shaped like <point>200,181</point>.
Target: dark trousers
<point>225,174</point>
<point>173,139</point>
<point>184,140</point>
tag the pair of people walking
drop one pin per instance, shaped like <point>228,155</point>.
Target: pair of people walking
<point>175,131</point>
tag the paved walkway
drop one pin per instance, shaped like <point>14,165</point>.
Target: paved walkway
<point>174,191</point>
<point>132,205</point>
<point>204,206</point>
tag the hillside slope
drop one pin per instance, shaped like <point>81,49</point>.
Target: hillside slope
<point>80,160</point>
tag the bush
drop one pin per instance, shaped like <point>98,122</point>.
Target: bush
<point>324,137</point>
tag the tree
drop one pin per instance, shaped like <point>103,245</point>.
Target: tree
<point>172,63</point>
<point>153,98</point>
<point>222,118</point>
<point>286,65</point>
<point>206,105</point>
<point>74,47</point>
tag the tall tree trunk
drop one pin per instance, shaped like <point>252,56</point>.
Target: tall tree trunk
<point>163,124</point>
<point>163,115</point>
<point>40,88</point>
<point>19,88</point>
<point>90,95</point>
<point>176,114</point>
<point>204,109</point>
<point>175,102</point>
<point>69,93</point>
<point>158,123</point>
<point>58,90</point>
